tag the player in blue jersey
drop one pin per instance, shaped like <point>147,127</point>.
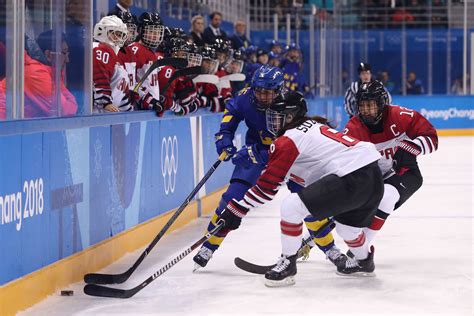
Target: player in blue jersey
<point>249,106</point>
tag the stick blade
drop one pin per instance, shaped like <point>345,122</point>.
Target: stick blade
<point>103,291</point>
<point>104,278</point>
<point>250,267</point>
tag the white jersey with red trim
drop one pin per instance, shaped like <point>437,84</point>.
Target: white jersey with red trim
<point>399,123</point>
<point>128,60</point>
<point>110,79</point>
<point>304,155</point>
<point>145,57</point>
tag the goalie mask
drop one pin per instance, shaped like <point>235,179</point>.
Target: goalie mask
<point>151,29</point>
<point>288,107</point>
<point>112,31</point>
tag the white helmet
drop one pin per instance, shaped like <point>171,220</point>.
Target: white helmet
<point>112,31</point>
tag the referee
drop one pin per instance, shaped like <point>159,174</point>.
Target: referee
<point>365,76</point>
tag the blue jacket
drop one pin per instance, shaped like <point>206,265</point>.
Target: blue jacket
<point>242,108</point>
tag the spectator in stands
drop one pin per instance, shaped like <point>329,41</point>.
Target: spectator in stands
<point>122,5</point>
<point>40,98</point>
<point>402,15</point>
<point>214,31</point>
<point>439,13</point>
<point>384,78</point>
<point>76,18</point>
<point>197,29</point>
<point>239,39</point>
<point>457,87</point>
<point>414,85</point>
<point>345,81</point>
<point>262,56</point>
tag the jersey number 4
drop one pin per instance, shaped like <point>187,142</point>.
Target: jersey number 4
<point>338,136</point>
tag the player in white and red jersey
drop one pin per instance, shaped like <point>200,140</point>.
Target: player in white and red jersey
<point>150,35</point>
<point>111,82</point>
<point>172,45</point>
<point>340,177</point>
<point>400,135</point>
<point>126,55</point>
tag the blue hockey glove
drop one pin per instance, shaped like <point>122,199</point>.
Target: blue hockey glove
<point>225,144</point>
<point>248,156</point>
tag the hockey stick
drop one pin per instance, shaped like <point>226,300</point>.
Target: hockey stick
<point>204,78</point>
<point>103,278</point>
<point>169,61</point>
<point>181,72</point>
<point>103,291</point>
<point>259,269</point>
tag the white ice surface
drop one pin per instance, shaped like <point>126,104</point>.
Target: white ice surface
<point>424,262</point>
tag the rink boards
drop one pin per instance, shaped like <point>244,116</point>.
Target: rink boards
<point>73,198</point>
<point>78,193</point>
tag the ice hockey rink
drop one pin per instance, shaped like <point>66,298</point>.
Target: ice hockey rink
<point>423,258</point>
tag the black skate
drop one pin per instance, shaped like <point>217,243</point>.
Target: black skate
<point>202,258</point>
<point>354,267</point>
<point>283,273</point>
<point>336,257</point>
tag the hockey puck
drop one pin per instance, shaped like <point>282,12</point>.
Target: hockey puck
<point>67,293</point>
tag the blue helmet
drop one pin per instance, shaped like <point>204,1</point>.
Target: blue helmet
<point>267,84</point>
<point>275,43</point>
<point>272,55</point>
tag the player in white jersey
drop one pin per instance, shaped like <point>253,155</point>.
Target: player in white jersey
<point>111,81</point>
<point>340,177</point>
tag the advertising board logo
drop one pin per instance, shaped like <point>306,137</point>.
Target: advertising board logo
<point>169,162</point>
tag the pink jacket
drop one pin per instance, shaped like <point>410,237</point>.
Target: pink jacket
<point>39,91</point>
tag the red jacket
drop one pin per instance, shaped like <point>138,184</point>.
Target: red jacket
<point>3,100</point>
<point>39,90</point>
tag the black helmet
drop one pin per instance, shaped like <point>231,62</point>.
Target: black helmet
<point>288,103</point>
<point>151,23</point>
<point>363,67</point>
<point>131,22</point>
<point>220,46</point>
<point>209,55</point>
<point>373,90</point>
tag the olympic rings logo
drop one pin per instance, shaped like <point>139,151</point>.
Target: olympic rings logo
<point>169,162</point>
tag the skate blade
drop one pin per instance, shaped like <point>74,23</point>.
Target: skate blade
<point>285,282</point>
<point>357,274</point>
<point>196,267</point>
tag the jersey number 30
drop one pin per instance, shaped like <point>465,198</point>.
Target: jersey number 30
<point>338,136</point>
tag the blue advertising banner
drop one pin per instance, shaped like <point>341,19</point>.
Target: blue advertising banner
<point>63,191</point>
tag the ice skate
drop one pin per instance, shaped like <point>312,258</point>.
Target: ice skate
<point>283,273</point>
<point>202,258</point>
<point>359,268</point>
<point>336,257</point>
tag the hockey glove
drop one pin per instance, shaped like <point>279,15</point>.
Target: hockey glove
<point>224,143</point>
<point>248,156</point>
<point>405,156</point>
<point>232,214</point>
